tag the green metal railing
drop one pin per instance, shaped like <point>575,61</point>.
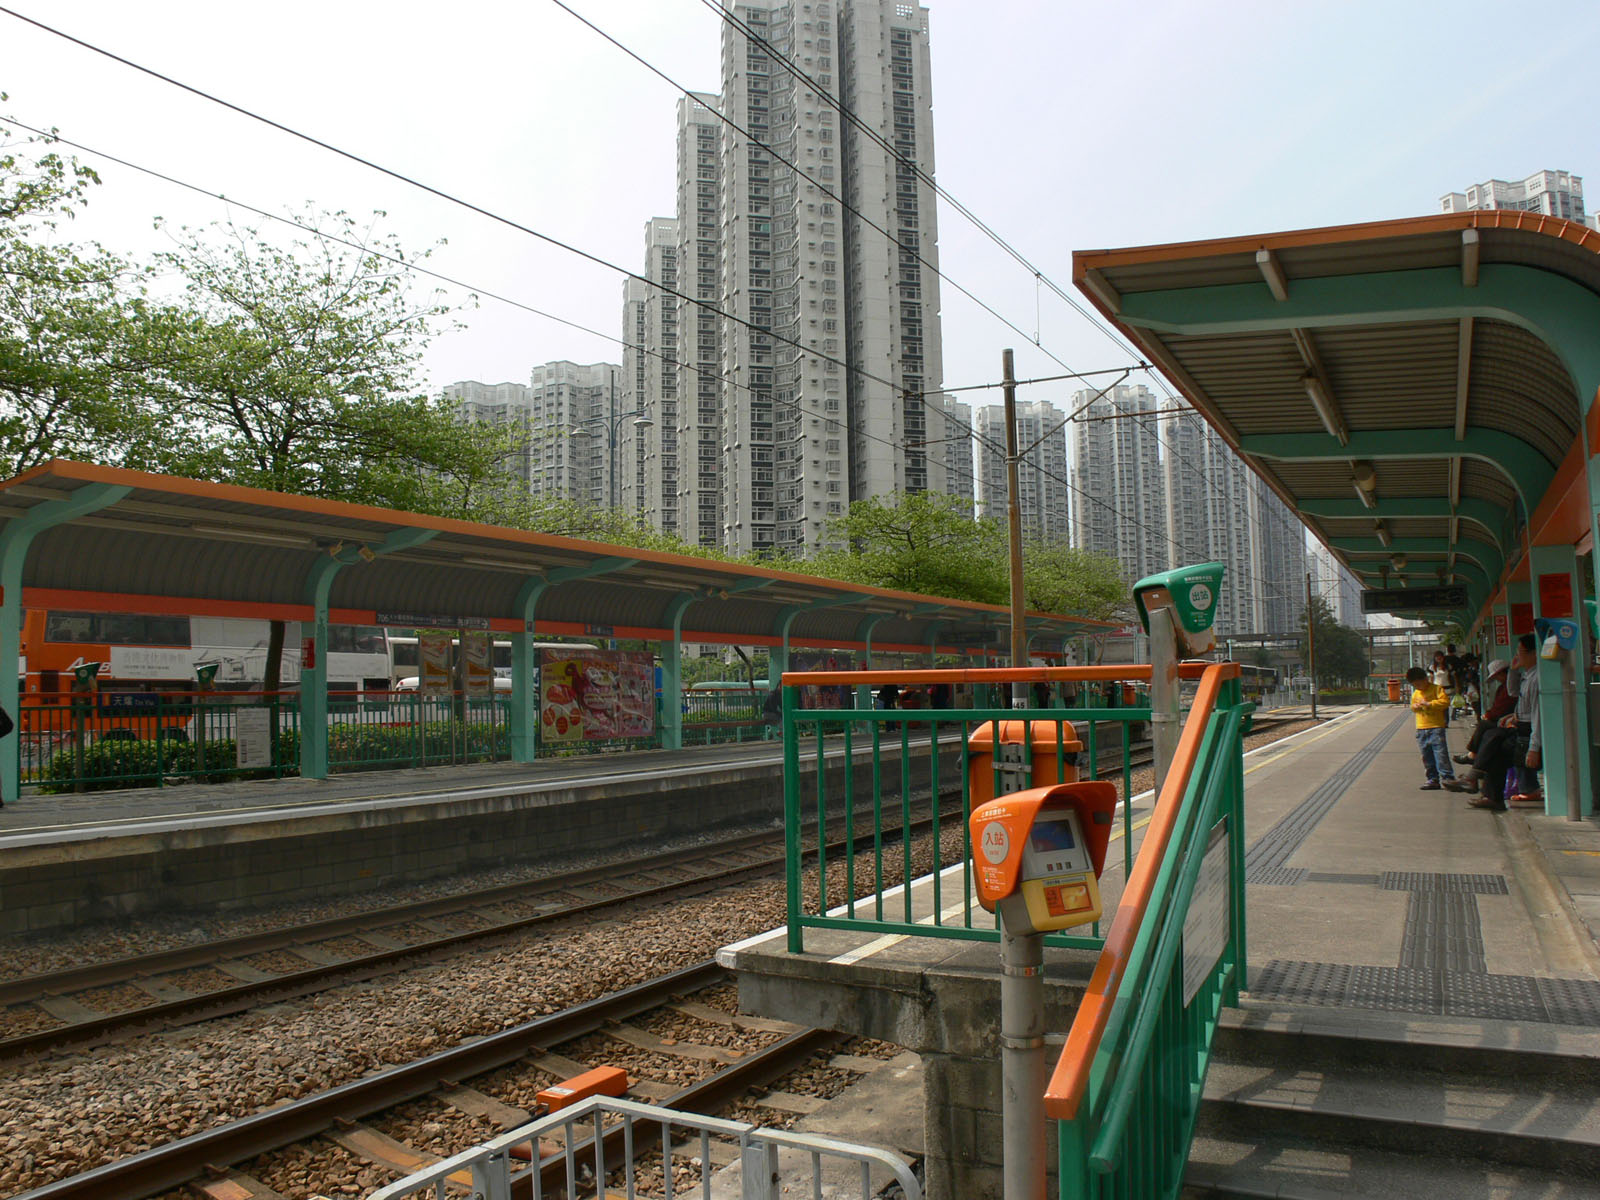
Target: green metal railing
<point>150,739</point>
<point>723,715</point>
<point>1126,1092</point>
<point>908,754</point>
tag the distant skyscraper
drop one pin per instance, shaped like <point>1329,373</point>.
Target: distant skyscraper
<point>647,454</point>
<point>1333,581</point>
<point>1041,475</point>
<point>1210,499</point>
<point>1278,562</point>
<point>699,476</point>
<point>818,299</point>
<point>503,404</point>
<point>957,443</point>
<point>1554,193</point>
<point>570,408</point>
<point>1119,507</point>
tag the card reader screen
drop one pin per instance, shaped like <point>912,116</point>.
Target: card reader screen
<point>1051,835</point>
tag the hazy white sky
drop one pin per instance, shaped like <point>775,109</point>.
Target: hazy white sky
<point>1063,124</point>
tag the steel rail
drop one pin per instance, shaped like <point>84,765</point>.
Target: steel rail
<point>248,994</point>
<point>174,1164</point>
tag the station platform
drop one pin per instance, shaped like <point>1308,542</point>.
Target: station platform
<point>65,859</point>
<point>1367,900</point>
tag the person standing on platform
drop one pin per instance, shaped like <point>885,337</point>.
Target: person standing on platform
<point>1429,703</point>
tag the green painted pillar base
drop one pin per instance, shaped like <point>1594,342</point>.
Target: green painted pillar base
<point>672,695</point>
<point>524,699</point>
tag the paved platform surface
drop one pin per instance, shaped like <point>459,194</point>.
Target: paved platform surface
<point>197,803</point>
<point>1364,893</point>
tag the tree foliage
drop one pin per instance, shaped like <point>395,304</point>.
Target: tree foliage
<point>1341,651</point>
<point>1065,579</point>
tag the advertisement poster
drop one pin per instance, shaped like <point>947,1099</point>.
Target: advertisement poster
<point>433,657</point>
<point>478,665</point>
<point>595,695</point>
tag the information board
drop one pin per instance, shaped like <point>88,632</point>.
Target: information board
<point>1555,595</point>
<point>252,737</point>
<point>1209,920</point>
<point>1413,599</point>
<point>596,695</point>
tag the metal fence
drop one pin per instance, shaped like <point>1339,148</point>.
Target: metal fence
<point>626,1159</point>
<point>725,715</point>
<point>1126,1091</point>
<point>1065,743</point>
<point>149,739</point>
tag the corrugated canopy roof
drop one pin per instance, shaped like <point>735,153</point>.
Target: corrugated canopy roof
<point>1447,362</point>
<point>146,542</point>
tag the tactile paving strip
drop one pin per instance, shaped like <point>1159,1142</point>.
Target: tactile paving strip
<point>1427,881</point>
<point>1273,849</point>
<point>1340,877</point>
<point>1440,993</point>
<point>1278,876</point>
<point>1443,933</point>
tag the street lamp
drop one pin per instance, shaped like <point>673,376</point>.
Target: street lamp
<point>611,424</point>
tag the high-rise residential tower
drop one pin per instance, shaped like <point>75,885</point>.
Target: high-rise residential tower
<point>1119,506</point>
<point>648,404</point>
<point>503,404</point>
<point>571,408</point>
<point>1211,504</point>
<point>698,480</point>
<point>816,237</point>
<point>1041,474</point>
<point>1554,193</point>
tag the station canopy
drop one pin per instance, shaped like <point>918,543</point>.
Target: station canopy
<point>1422,391</point>
<point>107,539</point>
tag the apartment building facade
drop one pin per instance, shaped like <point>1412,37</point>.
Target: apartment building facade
<point>1042,479</point>
<point>1553,193</point>
<point>1119,503</point>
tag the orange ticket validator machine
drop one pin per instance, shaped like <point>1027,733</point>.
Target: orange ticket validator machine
<point>1038,854</point>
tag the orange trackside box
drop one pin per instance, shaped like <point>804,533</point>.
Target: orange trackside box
<point>602,1081</point>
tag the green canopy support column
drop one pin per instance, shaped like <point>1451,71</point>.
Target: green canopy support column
<point>785,622</point>
<point>16,538</point>
<point>672,657</point>
<point>1562,562</point>
<point>314,678</point>
<point>524,671</point>
<point>864,634</point>
<point>933,640</point>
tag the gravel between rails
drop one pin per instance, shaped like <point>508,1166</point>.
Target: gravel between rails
<point>82,1109</point>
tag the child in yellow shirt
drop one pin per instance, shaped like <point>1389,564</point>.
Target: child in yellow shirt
<point>1431,704</point>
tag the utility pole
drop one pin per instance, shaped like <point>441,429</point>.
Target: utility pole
<point>1019,636</point>
<point>1311,647</point>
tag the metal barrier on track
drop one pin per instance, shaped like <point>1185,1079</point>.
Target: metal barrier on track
<point>627,1160</point>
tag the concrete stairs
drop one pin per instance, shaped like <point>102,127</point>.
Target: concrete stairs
<point>1317,1103</point>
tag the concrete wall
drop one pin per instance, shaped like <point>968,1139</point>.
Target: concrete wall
<point>364,845</point>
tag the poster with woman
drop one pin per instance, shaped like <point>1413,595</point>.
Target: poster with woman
<point>595,695</point>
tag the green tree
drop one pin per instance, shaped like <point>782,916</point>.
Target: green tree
<point>1341,651</point>
<point>917,542</point>
<point>72,358</point>
<point>1064,579</point>
<point>296,368</point>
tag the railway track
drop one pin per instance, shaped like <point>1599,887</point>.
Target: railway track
<point>219,978</point>
<point>207,1163</point>
<point>307,964</point>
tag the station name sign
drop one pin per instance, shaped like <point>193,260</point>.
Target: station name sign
<point>1414,599</point>
<point>414,620</point>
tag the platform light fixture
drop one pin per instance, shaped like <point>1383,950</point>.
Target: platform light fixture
<point>265,537</point>
<point>1365,479</point>
<point>1384,536</point>
<point>503,564</point>
<point>1399,561</point>
<point>366,553</point>
<point>1327,410</point>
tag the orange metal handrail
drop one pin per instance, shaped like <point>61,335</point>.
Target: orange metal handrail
<point>1070,1079</point>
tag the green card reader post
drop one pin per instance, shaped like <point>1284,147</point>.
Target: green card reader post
<point>1188,596</point>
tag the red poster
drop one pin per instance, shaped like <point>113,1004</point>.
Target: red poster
<point>1555,595</point>
<point>1522,618</point>
<point>1502,630</point>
